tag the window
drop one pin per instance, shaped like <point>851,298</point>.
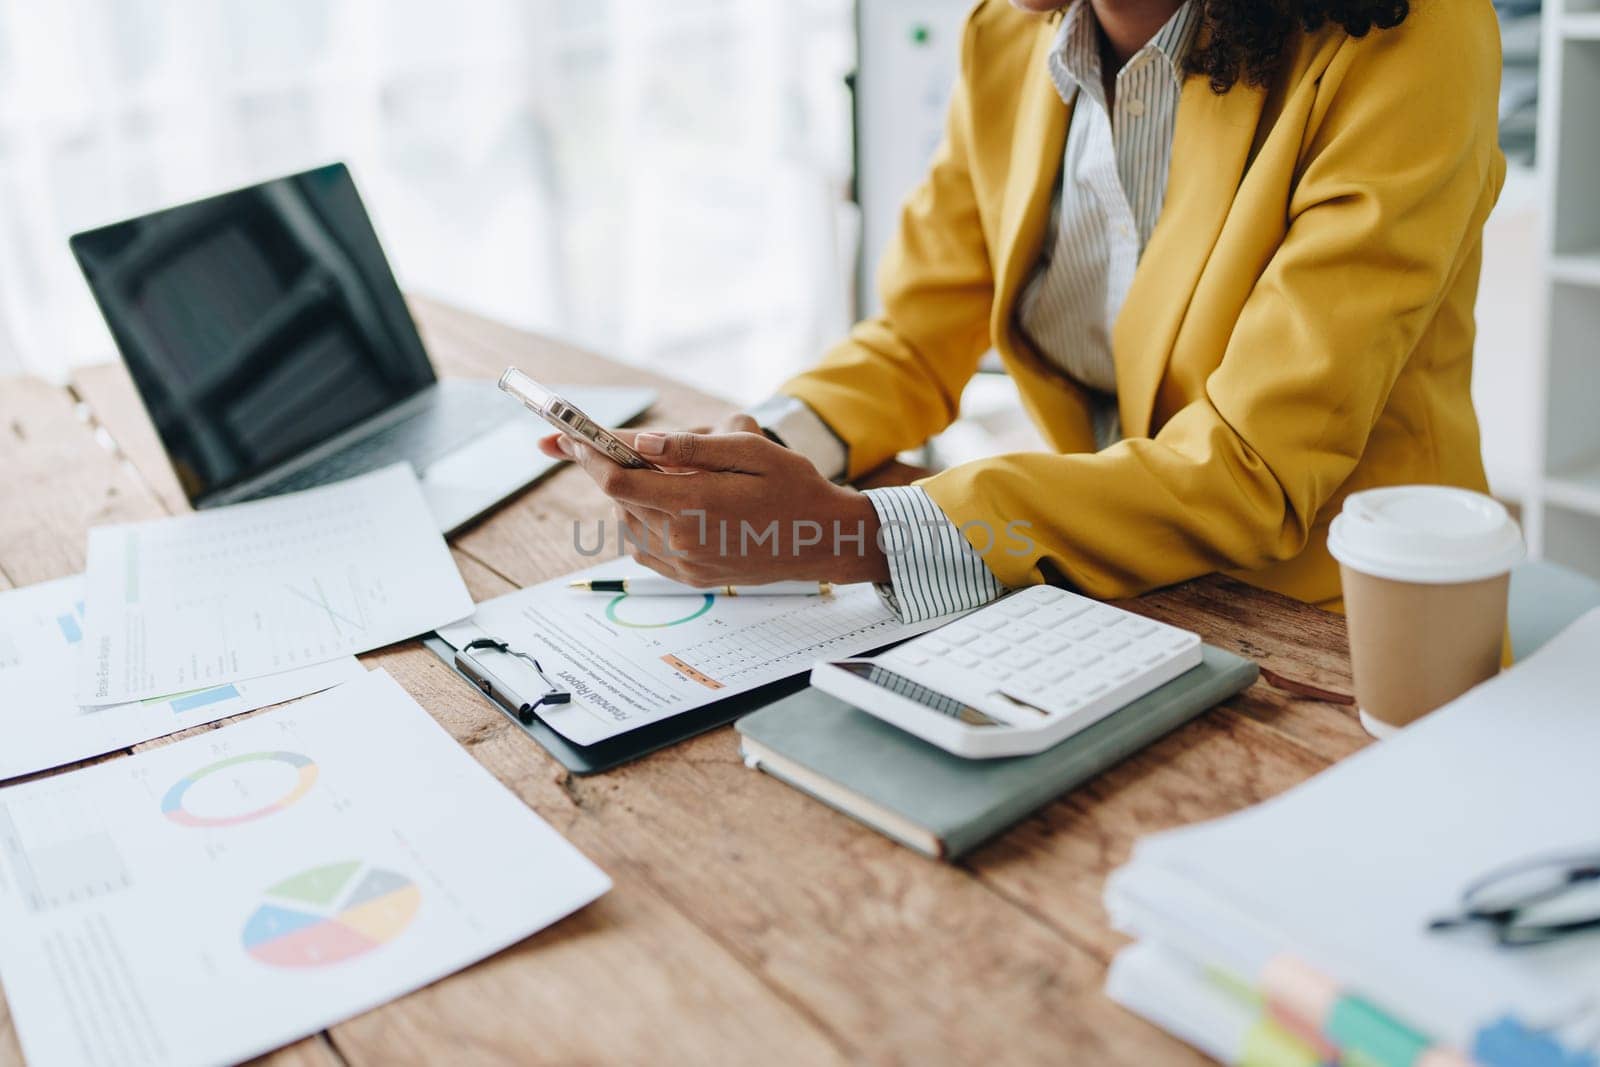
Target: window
<point>662,182</point>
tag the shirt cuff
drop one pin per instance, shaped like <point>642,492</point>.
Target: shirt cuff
<point>933,570</point>
<point>802,430</point>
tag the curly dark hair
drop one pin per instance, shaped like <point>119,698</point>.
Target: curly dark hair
<point>1247,38</point>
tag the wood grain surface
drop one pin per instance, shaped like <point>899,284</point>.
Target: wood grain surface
<point>748,923</point>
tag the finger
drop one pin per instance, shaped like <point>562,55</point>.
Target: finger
<point>691,572</point>
<point>654,518</point>
<point>618,482</point>
<point>558,445</point>
<point>646,546</point>
<point>550,445</point>
<point>652,490</point>
<point>665,567</point>
<point>740,423</point>
<point>629,437</point>
<point>743,452</point>
<point>633,533</point>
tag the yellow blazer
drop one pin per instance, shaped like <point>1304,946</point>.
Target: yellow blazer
<point>1300,326</point>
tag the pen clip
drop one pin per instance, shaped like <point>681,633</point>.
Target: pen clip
<point>524,711</point>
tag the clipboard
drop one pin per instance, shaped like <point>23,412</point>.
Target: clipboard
<point>486,670</point>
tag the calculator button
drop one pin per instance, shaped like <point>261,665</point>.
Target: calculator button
<point>987,647</point>
<point>1148,651</point>
<point>1082,631</point>
<point>995,669</point>
<point>1104,617</point>
<point>962,658</point>
<point>1049,643</point>
<point>1066,696</point>
<point>1083,655</point>
<point>931,647</point>
<point>913,656</point>
<point>959,635</point>
<point>1118,671</point>
<point>988,620</point>
<point>1057,673</point>
<point>1016,607</point>
<point>1138,627</point>
<point>1015,633</point>
<point>1046,594</point>
<point>1111,642</point>
<point>1093,686</point>
<point>1050,617</point>
<point>1019,658</point>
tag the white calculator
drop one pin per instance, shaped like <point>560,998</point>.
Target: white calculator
<point>1016,676</point>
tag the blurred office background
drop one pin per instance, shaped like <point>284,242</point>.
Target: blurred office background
<point>668,183</point>
<point>659,181</point>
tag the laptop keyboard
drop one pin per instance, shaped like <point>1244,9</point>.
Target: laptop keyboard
<point>453,418</point>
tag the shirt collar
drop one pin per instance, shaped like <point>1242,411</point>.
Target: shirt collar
<point>1075,56</point>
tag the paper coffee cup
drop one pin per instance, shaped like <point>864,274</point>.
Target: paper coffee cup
<point>1425,570</point>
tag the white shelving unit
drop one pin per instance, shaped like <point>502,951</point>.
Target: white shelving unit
<point>1562,512</point>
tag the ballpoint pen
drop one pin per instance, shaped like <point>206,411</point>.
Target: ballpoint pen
<point>652,586</point>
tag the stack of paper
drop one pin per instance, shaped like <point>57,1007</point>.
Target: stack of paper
<point>210,900</point>
<point>1298,932</point>
<point>207,901</point>
<point>254,589</point>
<point>184,621</point>
<point>41,724</point>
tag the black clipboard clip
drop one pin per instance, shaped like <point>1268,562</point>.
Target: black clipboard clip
<point>524,711</point>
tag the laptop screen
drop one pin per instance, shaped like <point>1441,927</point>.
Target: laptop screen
<point>255,324</point>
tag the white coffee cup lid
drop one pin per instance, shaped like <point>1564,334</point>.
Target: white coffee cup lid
<point>1430,534</point>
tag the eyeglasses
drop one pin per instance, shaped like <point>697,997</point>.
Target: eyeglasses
<point>1534,901</point>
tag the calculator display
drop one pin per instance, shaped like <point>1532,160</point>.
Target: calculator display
<point>920,694</point>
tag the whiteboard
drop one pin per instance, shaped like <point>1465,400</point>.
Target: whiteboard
<point>908,55</point>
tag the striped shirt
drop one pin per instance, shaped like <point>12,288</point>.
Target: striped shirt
<point>1113,183</point>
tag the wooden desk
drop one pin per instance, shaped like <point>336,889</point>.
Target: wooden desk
<point>748,922</point>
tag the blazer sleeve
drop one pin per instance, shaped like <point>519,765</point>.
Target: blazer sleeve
<point>897,380</point>
<point>1394,180</point>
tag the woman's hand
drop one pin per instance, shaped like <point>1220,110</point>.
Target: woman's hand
<point>734,508</point>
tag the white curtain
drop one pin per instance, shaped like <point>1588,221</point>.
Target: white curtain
<point>661,181</point>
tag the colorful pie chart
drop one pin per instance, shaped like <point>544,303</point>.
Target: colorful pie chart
<point>239,789</point>
<point>330,914</point>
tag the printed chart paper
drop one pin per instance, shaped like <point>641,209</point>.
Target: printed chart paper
<point>213,899</point>
<point>41,725</point>
<point>633,660</point>
<point>259,588</point>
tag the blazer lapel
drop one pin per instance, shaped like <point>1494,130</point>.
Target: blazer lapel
<point>1036,151</point>
<point>1211,147</point>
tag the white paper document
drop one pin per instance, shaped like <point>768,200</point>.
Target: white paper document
<point>632,660</point>
<point>41,724</point>
<point>1347,871</point>
<point>263,587</point>
<point>224,895</point>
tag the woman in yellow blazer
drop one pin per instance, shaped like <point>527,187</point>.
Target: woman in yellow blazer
<point>1299,327</point>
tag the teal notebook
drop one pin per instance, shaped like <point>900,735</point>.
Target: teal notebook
<point>943,805</point>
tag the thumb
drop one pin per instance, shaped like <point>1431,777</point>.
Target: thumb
<point>706,451</point>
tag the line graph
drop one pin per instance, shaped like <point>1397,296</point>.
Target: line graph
<point>319,599</point>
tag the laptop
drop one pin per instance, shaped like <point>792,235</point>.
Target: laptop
<point>273,351</point>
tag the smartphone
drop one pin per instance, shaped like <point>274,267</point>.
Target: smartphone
<point>567,418</point>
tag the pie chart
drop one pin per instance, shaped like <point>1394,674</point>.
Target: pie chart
<point>330,914</point>
<point>239,789</point>
<point>657,612</point>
